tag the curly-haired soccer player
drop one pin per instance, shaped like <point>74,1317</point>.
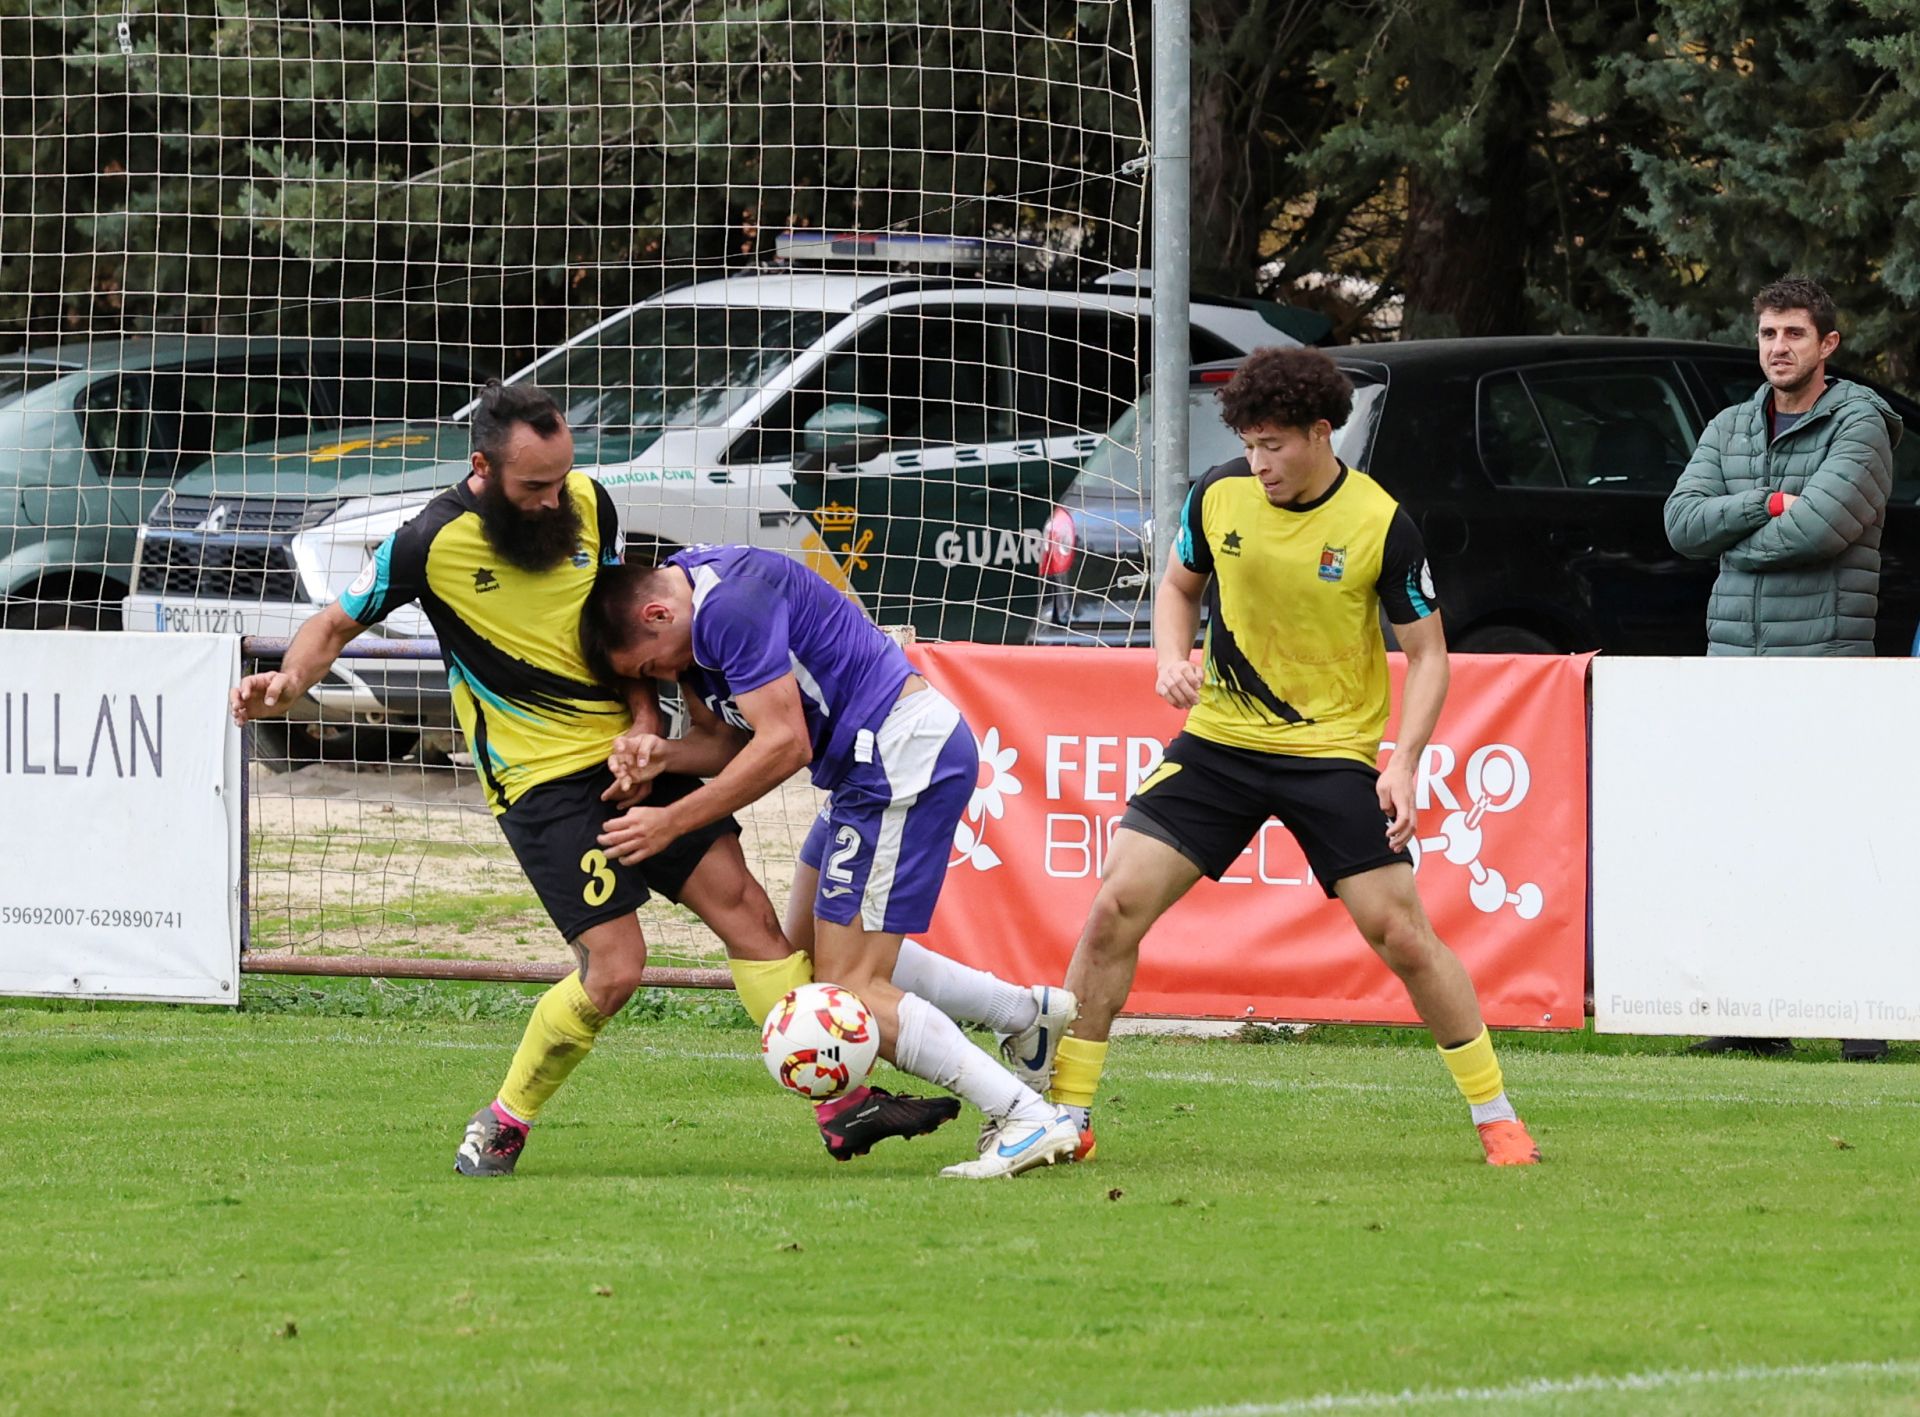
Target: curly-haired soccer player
<point>1294,555</point>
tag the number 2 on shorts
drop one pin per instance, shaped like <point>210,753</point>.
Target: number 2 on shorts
<point>846,844</point>
<point>599,877</point>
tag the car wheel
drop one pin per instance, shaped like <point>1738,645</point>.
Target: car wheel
<point>283,745</point>
<point>60,615</point>
<point>1504,639</point>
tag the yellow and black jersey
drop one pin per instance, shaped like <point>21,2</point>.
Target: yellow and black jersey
<point>1295,659</point>
<point>522,692</point>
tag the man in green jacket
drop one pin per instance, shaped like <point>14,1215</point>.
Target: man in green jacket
<point>1789,490</point>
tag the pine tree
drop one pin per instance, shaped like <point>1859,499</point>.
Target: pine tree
<point>1791,145</point>
<point>1488,145</point>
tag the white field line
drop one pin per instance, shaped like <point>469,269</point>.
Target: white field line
<point>1669,1379</point>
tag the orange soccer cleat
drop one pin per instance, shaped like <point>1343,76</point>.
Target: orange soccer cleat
<point>1507,1144</point>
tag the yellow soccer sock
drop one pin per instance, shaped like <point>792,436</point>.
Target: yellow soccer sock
<point>558,1036</point>
<point>1076,1072</point>
<point>1475,1070</point>
<point>762,983</point>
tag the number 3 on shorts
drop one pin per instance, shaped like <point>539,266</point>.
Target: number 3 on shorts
<point>846,845</point>
<point>599,877</point>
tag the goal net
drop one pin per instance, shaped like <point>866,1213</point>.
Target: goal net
<point>854,280</point>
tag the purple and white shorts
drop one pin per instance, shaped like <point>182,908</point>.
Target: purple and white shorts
<point>882,843</point>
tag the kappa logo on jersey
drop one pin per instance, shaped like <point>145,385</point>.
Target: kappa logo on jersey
<point>728,712</point>
<point>1333,562</point>
<point>484,580</point>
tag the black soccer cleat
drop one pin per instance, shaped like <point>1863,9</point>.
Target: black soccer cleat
<point>490,1147</point>
<point>880,1115</point>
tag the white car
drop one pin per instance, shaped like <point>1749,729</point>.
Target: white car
<point>907,436</point>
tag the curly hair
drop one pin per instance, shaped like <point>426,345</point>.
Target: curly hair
<point>1799,293</point>
<point>1289,388</point>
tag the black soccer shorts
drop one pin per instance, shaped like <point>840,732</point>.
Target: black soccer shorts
<point>554,829</point>
<point>1207,801</point>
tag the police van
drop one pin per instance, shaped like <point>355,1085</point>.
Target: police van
<point>893,410</point>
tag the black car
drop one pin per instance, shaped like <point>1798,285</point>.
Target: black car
<point>1537,469</point>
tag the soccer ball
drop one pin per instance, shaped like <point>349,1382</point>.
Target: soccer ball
<point>820,1042</point>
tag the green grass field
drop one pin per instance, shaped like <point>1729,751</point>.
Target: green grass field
<point>256,1212</point>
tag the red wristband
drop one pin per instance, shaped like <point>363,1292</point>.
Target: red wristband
<point>1776,504</point>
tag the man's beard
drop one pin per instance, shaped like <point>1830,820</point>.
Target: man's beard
<point>533,541</point>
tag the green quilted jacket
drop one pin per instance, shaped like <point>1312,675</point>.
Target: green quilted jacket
<point>1807,581</point>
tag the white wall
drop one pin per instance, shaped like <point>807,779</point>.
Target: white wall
<point>1754,847</point>
<point>119,816</point>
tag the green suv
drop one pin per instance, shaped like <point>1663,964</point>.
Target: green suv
<point>94,432</point>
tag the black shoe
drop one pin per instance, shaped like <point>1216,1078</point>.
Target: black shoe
<point>1862,1050</point>
<point>881,1115</point>
<point>490,1147</point>
<point>1759,1047</point>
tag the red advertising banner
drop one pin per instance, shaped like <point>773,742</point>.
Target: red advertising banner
<point>1067,734</point>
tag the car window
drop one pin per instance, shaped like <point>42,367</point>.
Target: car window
<point>197,413</point>
<point>1075,370</point>
<point>1731,383</point>
<point>116,424</point>
<point>1615,425</point>
<point>1205,348</point>
<point>379,386</point>
<point>1115,465</point>
<point>939,379</point>
<point>942,378</point>
<point>668,366</point>
<point>1513,445</point>
<point>1353,440</point>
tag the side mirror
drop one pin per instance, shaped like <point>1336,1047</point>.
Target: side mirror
<point>843,432</point>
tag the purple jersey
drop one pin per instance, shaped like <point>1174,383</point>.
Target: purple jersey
<point>758,615</point>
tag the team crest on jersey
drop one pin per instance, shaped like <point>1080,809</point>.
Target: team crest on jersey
<point>1333,562</point>
<point>581,558</point>
<point>485,579</point>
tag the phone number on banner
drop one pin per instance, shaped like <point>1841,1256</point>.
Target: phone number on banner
<point>92,919</point>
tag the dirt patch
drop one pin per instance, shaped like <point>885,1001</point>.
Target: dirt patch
<point>407,860</point>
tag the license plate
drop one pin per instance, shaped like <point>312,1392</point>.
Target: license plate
<point>200,619</point>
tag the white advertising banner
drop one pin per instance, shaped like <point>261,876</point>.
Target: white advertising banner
<point>120,797</point>
<point>1753,847</point>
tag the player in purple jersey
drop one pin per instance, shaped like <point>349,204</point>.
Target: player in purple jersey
<point>780,672</point>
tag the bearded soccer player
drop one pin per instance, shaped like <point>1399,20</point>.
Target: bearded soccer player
<point>783,672</point>
<point>502,562</point>
<point>1293,554</point>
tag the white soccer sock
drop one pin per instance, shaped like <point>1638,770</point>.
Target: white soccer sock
<point>931,1046</point>
<point>1498,1110</point>
<point>962,992</point>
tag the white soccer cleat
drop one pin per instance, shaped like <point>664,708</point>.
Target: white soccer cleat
<point>1030,1052</point>
<point>1017,1148</point>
